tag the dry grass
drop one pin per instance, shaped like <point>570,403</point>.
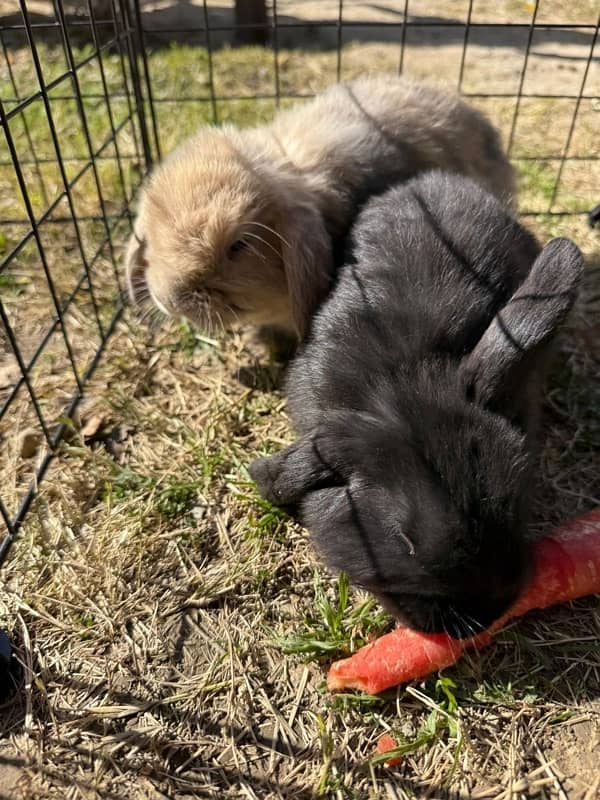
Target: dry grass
<point>174,630</point>
<point>151,590</point>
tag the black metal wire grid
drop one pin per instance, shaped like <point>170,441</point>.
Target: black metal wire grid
<point>58,211</point>
<point>474,24</point>
<point>46,180</point>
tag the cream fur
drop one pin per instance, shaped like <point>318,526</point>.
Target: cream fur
<point>290,190</point>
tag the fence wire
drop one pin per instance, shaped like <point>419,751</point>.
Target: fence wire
<point>67,192</point>
<point>84,112</point>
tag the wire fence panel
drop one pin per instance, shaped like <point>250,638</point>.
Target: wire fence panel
<point>533,69</point>
<point>87,103</point>
<point>74,149</point>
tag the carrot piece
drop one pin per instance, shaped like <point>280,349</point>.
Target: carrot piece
<point>386,743</point>
<point>566,566</point>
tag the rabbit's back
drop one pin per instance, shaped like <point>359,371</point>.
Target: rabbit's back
<point>393,128</point>
<point>433,261</point>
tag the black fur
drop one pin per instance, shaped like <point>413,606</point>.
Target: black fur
<point>416,400</point>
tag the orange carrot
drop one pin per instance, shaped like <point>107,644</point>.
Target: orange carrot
<point>566,566</point>
<point>386,743</point>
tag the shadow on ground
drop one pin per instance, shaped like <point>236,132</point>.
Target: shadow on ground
<point>184,22</point>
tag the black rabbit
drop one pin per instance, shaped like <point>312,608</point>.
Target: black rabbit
<point>416,400</point>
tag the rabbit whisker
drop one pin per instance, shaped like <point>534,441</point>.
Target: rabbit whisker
<point>143,299</point>
<point>474,622</point>
<point>151,316</point>
<point>144,311</point>
<point>233,312</point>
<point>264,241</point>
<point>202,310</point>
<point>254,250</point>
<point>450,635</point>
<point>142,293</point>
<point>462,626</point>
<point>456,623</point>
<point>463,621</point>
<point>271,230</point>
<point>156,319</point>
<point>219,320</point>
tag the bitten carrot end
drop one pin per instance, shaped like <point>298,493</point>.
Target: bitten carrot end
<point>566,566</point>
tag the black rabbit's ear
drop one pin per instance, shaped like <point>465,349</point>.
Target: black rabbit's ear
<point>529,319</point>
<point>284,478</point>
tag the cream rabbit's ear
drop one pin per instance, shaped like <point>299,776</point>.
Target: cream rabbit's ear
<point>308,263</point>
<point>135,267</point>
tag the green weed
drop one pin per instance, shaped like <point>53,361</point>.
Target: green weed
<point>504,694</point>
<point>263,518</point>
<point>87,622</point>
<point>326,741</point>
<point>441,722</point>
<point>170,500</point>
<point>12,283</point>
<point>268,520</point>
<point>176,499</point>
<point>358,701</point>
<point>189,340</point>
<point>337,627</point>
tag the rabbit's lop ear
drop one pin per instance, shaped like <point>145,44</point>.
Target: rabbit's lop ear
<point>136,264</point>
<point>529,319</point>
<point>308,263</point>
<point>284,478</point>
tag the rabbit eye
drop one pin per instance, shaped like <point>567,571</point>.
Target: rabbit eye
<point>237,247</point>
